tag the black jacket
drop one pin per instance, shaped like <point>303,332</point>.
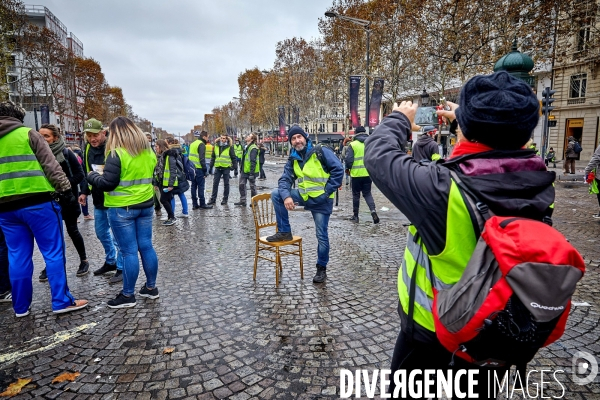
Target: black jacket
<point>349,160</point>
<point>109,180</point>
<point>421,191</point>
<point>424,148</point>
<point>95,155</point>
<point>174,154</point>
<point>261,155</point>
<point>73,170</point>
<point>253,160</point>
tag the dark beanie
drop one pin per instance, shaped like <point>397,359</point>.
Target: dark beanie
<point>497,110</point>
<point>294,130</point>
<point>359,129</point>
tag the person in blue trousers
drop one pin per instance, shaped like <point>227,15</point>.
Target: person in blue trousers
<point>5,288</point>
<point>319,173</point>
<point>30,179</point>
<point>127,181</point>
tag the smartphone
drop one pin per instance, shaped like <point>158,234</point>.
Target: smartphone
<point>445,104</point>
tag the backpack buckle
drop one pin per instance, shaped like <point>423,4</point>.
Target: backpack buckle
<point>483,208</point>
<point>547,220</point>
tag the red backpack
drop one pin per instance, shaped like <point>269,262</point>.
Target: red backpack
<point>514,295</point>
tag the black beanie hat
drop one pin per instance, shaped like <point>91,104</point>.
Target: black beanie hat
<point>294,130</point>
<point>359,129</point>
<point>498,110</point>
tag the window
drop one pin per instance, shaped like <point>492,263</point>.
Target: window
<point>321,112</point>
<point>334,128</point>
<point>321,127</point>
<point>578,85</point>
<point>584,35</point>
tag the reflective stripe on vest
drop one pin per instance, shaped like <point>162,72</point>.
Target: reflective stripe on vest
<point>312,178</point>
<point>446,267</point>
<point>20,171</point>
<point>239,150</point>
<point>223,159</point>
<point>135,184</point>
<point>247,159</point>
<point>209,151</point>
<point>358,166</point>
<point>167,174</point>
<point>195,154</point>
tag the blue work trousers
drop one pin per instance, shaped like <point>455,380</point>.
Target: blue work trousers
<point>42,222</point>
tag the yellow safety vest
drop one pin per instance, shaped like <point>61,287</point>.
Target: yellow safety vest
<point>247,159</point>
<point>195,154</point>
<point>209,151</point>
<point>223,159</point>
<point>358,167</point>
<point>447,267</point>
<point>20,170</point>
<point>167,174</point>
<point>312,178</point>
<point>135,184</point>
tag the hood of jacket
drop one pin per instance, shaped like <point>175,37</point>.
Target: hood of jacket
<point>511,183</point>
<point>424,138</point>
<point>8,124</point>
<point>361,137</point>
<point>229,143</point>
<point>172,152</point>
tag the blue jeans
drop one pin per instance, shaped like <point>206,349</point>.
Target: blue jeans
<point>111,249</point>
<point>133,230</point>
<point>198,185</point>
<point>183,200</point>
<point>42,222</point>
<point>321,223</point>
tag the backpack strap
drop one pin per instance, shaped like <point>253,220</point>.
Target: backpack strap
<point>410,328</point>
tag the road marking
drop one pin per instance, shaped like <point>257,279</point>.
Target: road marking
<point>52,341</point>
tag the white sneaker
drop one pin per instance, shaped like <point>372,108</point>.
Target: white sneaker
<point>183,216</point>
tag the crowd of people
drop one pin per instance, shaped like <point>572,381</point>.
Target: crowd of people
<point>127,177</point>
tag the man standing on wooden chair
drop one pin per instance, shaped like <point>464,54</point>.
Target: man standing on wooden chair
<point>320,174</point>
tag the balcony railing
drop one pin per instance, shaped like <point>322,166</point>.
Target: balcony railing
<point>578,100</point>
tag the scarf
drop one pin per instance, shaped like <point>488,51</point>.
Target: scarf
<point>466,147</point>
<point>57,149</point>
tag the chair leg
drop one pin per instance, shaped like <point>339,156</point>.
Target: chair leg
<point>277,266</point>
<point>255,260</point>
<point>301,261</point>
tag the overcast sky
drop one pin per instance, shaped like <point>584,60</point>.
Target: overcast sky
<point>177,59</point>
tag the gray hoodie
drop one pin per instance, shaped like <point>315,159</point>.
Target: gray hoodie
<point>52,169</point>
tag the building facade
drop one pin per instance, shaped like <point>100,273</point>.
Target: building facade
<point>47,91</point>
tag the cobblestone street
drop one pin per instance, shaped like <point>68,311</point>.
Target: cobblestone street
<point>237,338</point>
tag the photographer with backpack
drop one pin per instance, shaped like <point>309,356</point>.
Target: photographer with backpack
<point>571,154</point>
<point>456,298</point>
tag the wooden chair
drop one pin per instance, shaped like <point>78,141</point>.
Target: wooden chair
<point>264,216</point>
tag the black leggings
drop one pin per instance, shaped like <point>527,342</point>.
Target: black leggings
<point>165,200</point>
<point>598,196</point>
<point>75,235</point>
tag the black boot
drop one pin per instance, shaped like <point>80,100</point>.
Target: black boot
<point>240,203</point>
<point>375,217</point>
<point>321,274</point>
<point>354,218</point>
<point>84,268</point>
<point>105,268</point>
<point>211,202</point>
<point>224,202</point>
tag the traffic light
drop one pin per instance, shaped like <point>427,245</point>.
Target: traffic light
<point>547,100</point>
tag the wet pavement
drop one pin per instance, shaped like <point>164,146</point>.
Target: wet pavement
<point>236,338</point>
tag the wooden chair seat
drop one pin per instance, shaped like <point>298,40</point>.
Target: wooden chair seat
<point>264,216</point>
<point>295,239</point>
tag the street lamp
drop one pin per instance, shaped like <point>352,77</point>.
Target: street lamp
<point>367,27</point>
<point>424,98</point>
